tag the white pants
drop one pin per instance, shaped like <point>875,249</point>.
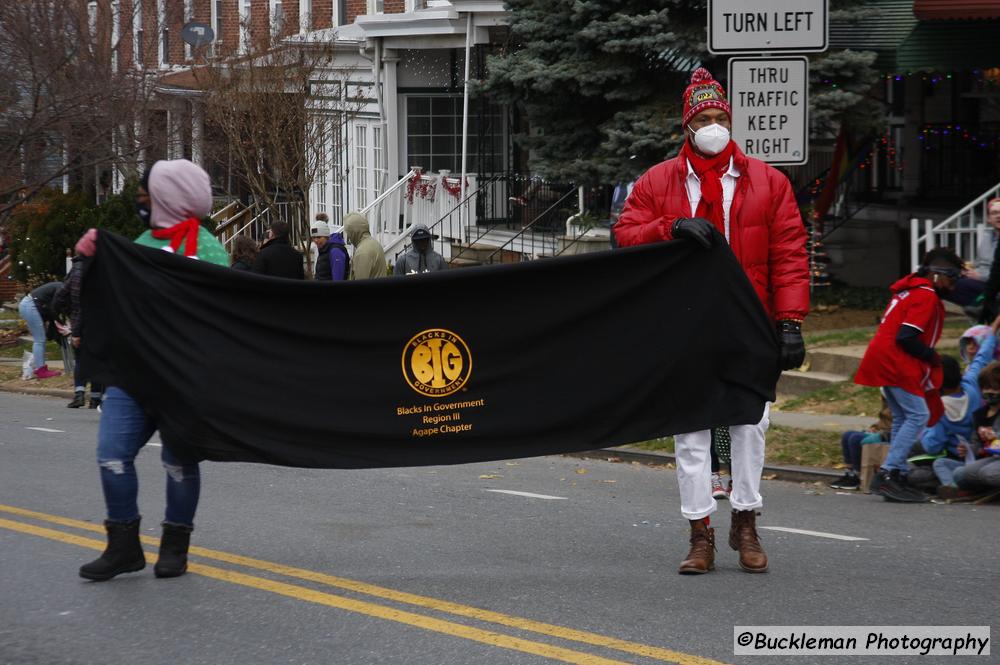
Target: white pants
<point>694,468</point>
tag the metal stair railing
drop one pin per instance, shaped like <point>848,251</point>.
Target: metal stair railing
<point>401,244</point>
<point>509,245</point>
<point>959,232</point>
<point>380,226</point>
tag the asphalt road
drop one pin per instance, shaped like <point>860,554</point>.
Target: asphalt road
<point>437,566</point>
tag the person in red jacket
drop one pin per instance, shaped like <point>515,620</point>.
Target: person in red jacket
<point>711,186</point>
<point>902,361</point>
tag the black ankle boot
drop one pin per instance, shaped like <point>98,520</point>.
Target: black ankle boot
<point>78,400</point>
<point>173,550</point>
<point>95,402</point>
<point>122,555</point>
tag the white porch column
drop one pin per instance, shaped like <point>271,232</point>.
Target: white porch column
<point>390,99</point>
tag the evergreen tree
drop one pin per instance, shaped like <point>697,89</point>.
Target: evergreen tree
<point>600,82</point>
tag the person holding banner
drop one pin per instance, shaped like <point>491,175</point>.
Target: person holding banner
<point>174,196</point>
<point>711,190</point>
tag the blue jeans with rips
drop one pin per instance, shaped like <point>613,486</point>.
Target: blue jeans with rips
<point>125,428</point>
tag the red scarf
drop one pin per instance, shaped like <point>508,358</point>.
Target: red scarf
<point>183,232</point>
<point>710,171</point>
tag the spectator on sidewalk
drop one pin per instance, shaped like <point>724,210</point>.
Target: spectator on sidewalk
<point>972,283</point>
<point>961,397</point>
<point>244,253</point>
<point>320,233</point>
<point>902,361</point>
<point>177,195</point>
<point>851,444</point>
<point>369,258</point>
<point>972,339</point>
<point>980,469</point>
<point>67,301</point>
<point>38,313</point>
<point>340,258</point>
<point>277,258</point>
<point>420,257</point>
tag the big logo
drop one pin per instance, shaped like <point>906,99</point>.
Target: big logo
<point>436,362</point>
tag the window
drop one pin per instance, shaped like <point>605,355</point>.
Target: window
<point>434,135</point>
<point>138,36</point>
<point>245,6</point>
<point>336,177</point>
<point>321,167</point>
<point>217,20</point>
<point>380,170</point>
<point>361,165</point>
<point>305,15</point>
<point>164,46</point>
<point>376,6</point>
<point>277,17</point>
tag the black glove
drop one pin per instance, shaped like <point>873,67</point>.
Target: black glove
<point>698,229</point>
<point>793,348</point>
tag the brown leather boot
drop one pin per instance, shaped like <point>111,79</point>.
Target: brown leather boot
<point>743,538</point>
<point>701,557</point>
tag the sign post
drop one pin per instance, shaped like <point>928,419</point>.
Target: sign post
<point>770,102</point>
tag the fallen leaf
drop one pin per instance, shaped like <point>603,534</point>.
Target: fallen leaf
<point>610,482</point>
<point>770,476</point>
<point>490,476</point>
<point>615,459</point>
<point>581,472</point>
<point>513,464</point>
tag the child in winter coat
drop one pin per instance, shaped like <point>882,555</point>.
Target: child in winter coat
<point>902,360</point>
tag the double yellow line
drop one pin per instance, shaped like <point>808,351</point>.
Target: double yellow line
<point>386,612</point>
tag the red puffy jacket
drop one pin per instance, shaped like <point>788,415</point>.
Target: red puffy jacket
<point>765,228</point>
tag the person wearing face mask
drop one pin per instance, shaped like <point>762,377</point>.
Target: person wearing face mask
<point>902,361</point>
<point>174,196</point>
<point>420,257</point>
<point>711,192</point>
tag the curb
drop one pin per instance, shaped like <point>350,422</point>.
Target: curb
<point>47,392</point>
<point>799,474</point>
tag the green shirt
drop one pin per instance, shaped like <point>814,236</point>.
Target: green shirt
<point>209,248</point>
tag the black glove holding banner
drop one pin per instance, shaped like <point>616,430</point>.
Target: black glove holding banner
<point>698,229</point>
<point>793,348</point>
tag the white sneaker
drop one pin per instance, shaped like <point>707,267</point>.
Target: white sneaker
<point>718,490</point>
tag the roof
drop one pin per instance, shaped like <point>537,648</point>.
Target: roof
<point>931,10</point>
<point>950,46</point>
<point>882,31</point>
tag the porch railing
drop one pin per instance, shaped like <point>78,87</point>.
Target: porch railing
<point>959,232</point>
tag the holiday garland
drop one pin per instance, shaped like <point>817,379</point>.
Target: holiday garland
<point>417,185</point>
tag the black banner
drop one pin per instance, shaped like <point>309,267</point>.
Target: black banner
<point>542,357</point>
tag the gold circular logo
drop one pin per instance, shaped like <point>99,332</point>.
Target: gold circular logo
<point>436,362</point>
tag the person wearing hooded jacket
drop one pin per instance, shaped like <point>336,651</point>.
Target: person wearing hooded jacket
<point>710,191</point>
<point>277,257</point>
<point>420,257</point>
<point>369,258</point>
<point>177,194</point>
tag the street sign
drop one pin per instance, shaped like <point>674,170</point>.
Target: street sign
<point>767,26</point>
<point>770,102</point>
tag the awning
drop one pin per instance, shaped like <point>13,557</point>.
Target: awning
<point>937,10</point>
<point>950,46</point>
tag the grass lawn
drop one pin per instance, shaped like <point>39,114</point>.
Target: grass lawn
<point>10,377</point>
<point>785,446</point>
<point>846,399</point>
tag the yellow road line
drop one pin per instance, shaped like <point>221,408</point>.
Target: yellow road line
<point>584,637</point>
<point>330,600</point>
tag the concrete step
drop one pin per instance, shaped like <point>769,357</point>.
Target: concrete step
<point>464,263</point>
<point>796,383</point>
<point>835,359</point>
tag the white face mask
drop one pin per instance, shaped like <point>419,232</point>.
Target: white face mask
<point>711,139</point>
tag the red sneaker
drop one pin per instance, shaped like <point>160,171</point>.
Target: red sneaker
<point>44,372</point>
